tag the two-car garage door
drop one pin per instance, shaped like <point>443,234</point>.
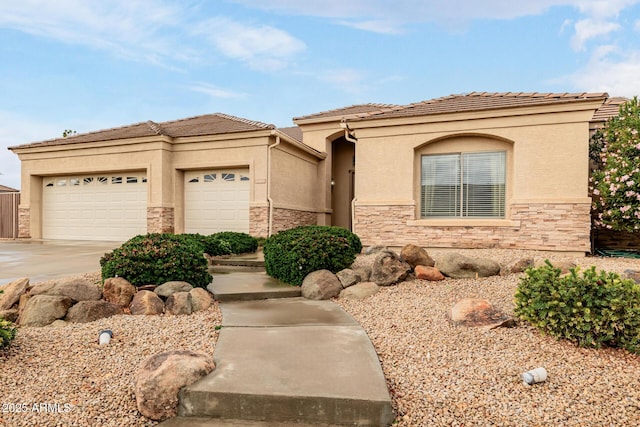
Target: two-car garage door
<point>110,207</point>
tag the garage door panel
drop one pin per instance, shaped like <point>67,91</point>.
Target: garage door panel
<point>217,200</point>
<point>94,208</point>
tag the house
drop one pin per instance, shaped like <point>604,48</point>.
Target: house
<point>5,189</point>
<point>506,170</point>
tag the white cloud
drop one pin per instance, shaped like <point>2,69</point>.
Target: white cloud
<point>18,130</point>
<point>587,29</point>
<point>261,47</point>
<point>215,91</point>
<point>609,70</point>
<point>375,26</point>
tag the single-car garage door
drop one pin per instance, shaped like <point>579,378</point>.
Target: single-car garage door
<point>94,207</point>
<point>217,200</point>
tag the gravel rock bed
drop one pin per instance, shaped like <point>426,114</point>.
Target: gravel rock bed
<point>439,374</point>
<point>73,381</point>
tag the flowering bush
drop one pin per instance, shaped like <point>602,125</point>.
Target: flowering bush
<point>615,181</point>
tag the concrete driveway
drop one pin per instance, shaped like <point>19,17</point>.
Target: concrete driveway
<point>41,260</point>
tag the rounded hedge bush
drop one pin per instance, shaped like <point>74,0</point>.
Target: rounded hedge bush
<point>211,244</point>
<point>157,258</point>
<point>292,254</point>
<point>593,309</point>
<point>240,243</point>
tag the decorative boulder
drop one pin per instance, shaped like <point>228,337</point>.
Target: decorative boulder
<point>88,311</point>
<point>388,269</point>
<point>168,288</point>
<point>200,299</point>
<point>10,315</point>
<point>78,289</point>
<point>415,255</point>
<point>458,266</point>
<point>161,377</point>
<point>119,291</point>
<point>41,310</point>
<point>12,291</point>
<point>348,277</point>
<point>431,274</point>
<point>178,303</point>
<point>360,290</point>
<point>146,302</point>
<point>564,265</point>
<point>320,285</point>
<point>479,312</point>
<point>372,250</point>
<point>517,266</point>
<point>632,274</point>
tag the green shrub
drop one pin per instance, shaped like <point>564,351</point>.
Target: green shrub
<point>7,333</point>
<point>212,244</point>
<point>240,242</point>
<point>593,309</point>
<point>292,254</point>
<point>158,258</point>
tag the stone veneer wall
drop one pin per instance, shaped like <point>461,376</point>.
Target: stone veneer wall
<point>24,218</point>
<point>284,219</point>
<point>160,220</point>
<point>259,221</point>
<point>543,226</point>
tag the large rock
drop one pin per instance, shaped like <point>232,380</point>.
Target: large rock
<point>146,302</point>
<point>415,255</point>
<point>321,284</point>
<point>431,274</point>
<point>517,266</point>
<point>479,312</point>
<point>632,274</point>
<point>11,292</point>
<point>360,291</point>
<point>348,277</point>
<point>42,310</point>
<point>388,269</point>
<point>458,266</point>
<point>178,303</point>
<point>119,291</point>
<point>376,249</point>
<point>78,289</point>
<point>10,315</point>
<point>168,288</point>
<point>200,299</point>
<point>564,265</point>
<point>161,377</point>
<point>88,311</point>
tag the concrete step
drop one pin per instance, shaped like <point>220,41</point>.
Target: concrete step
<point>326,372</point>
<point>245,286</point>
<point>228,269</point>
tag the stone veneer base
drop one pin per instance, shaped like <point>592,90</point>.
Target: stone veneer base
<point>160,220</point>
<point>543,226</point>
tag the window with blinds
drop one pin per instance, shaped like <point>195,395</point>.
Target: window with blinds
<point>463,185</point>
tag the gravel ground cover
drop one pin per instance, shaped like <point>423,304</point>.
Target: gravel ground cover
<point>60,376</point>
<point>438,374</point>
<point>444,375</point>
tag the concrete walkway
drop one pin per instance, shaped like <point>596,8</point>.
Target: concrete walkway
<point>286,361</point>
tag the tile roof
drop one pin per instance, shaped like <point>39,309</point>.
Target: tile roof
<point>478,101</point>
<point>5,189</point>
<point>339,113</point>
<point>609,109</point>
<point>209,124</point>
<point>294,132</point>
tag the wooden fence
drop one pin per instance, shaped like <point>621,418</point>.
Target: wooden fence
<point>9,215</point>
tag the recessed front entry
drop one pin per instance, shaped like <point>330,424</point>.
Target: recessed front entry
<point>217,200</point>
<point>343,159</point>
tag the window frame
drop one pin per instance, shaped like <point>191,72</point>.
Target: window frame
<point>459,203</point>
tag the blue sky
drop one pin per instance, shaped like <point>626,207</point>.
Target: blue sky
<point>88,65</point>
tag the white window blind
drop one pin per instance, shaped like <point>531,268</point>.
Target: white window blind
<point>463,185</point>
